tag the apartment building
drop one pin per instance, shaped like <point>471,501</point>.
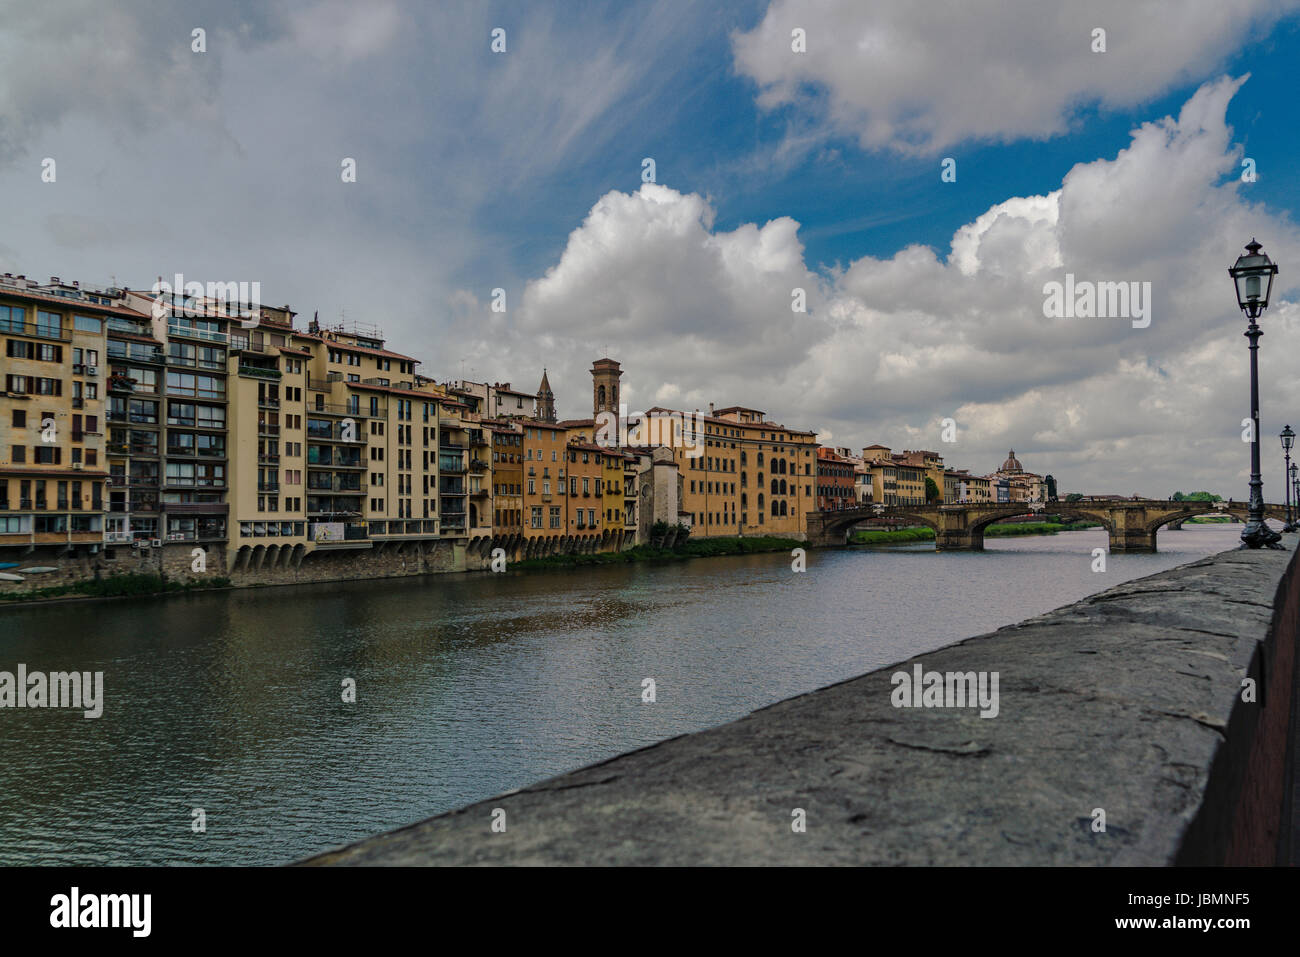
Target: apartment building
<point>507,478</point>
<point>53,464</point>
<point>836,489</point>
<point>753,476</point>
<point>545,489</point>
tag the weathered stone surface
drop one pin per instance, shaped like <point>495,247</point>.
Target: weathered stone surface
<point>1129,701</point>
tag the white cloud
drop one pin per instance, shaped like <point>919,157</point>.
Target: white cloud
<point>918,77</point>
<point>891,346</point>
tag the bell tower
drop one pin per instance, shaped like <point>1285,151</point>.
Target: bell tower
<point>545,407</point>
<point>605,374</point>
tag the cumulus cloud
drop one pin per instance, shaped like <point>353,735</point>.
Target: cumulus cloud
<point>891,346</point>
<point>918,77</point>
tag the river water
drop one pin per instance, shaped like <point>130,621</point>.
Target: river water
<point>466,685</point>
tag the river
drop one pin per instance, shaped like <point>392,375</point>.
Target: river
<point>466,685</point>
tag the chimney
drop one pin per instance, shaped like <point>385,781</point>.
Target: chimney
<point>710,409</point>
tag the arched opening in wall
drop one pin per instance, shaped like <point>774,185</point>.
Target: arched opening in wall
<point>600,396</point>
<point>783,492</point>
<point>784,510</point>
<point>473,515</point>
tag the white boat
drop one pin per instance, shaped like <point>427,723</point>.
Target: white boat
<point>6,577</point>
<point>38,569</point>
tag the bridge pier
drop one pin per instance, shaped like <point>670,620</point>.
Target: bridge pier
<point>1132,539</point>
<point>955,532</point>
<point>959,540</point>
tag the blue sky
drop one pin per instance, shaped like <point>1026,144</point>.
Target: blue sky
<point>774,169</point>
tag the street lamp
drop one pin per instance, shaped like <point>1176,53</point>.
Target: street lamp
<point>1288,440</point>
<point>1253,275</point>
<point>1295,481</point>
<point>1294,474</point>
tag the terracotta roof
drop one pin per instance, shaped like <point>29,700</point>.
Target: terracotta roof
<point>352,347</point>
<point>71,304</point>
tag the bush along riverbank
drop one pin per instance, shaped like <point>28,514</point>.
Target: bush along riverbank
<point>115,586</point>
<point>704,548</point>
<point>904,536</point>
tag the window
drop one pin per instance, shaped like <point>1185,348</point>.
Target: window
<point>88,324</point>
<point>48,324</point>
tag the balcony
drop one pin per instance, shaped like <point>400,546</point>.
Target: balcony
<point>344,409</point>
<point>324,385</point>
<point>200,508</point>
<point>335,483</point>
<point>135,353</point>
<point>40,331</point>
<point>179,331</point>
<point>268,486</point>
<point>339,534</point>
<point>478,465</point>
<point>398,528</point>
<point>265,429</point>
<point>265,458</point>
<point>258,372</point>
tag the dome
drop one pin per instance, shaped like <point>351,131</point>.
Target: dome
<point>1012,464</point>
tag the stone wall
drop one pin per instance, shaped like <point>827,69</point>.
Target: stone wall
<point>1125,734</point>
<point>281,566</point>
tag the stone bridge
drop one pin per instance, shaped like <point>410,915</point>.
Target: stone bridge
<point>1132,524</point>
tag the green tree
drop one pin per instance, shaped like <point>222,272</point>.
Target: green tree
<point>931,490</point>
<point>1074,497</point>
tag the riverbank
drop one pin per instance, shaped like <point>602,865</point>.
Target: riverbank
<point>113,586</point>
<point>693,548</point>
<point>903,536</point>
<point>1119,734</point>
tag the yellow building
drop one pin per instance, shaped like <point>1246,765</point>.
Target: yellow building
<point>751,476</point>
<point>52,418</point>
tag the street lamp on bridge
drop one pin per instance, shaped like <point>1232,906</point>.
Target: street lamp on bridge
<point>1294,474</point>
<point>1295,482</point>
<point>1288,440</point>
<point>1253,275</point>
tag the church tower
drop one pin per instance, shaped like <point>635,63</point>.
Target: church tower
<point>545,408</point>
<point>605,374</point>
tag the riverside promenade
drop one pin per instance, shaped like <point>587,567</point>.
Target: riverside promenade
<point>1135,702</point>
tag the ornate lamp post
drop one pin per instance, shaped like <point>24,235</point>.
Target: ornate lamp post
<point>1253,275</point>
<point>1295,481</point>
<point>1288,440</point>
<point>1293,473</point>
